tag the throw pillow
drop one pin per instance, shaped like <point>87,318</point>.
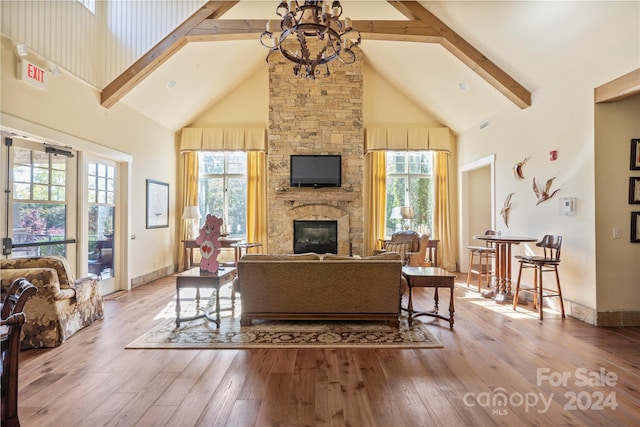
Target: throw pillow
<point>400,248</point>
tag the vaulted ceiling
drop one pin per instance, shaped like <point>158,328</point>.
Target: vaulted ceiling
<point>462,62</point>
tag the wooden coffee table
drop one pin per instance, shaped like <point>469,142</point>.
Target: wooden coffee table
<point>198,279</point>
<point>429,277</point>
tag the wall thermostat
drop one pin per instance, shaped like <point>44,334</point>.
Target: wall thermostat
<point>568,206</point>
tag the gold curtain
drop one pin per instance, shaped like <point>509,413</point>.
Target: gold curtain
<point>442,215</point>
<point>189,195</point>
<point>257,199</point>
<point>375,198</point>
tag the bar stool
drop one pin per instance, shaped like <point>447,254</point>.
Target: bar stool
<point>485,254</point>
<point>542,264</point>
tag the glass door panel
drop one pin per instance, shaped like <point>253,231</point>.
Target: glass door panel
<point>41,186</point>
<point>101,187</point>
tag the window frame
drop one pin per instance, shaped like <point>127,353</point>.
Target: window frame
<point>407,175</point>
<point>226,176</point>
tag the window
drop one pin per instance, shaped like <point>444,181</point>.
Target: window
<point>101,214</point>
<point>223,190</point>
<point>89,4</point>
<point>39,202</point>
<point>409,183</point>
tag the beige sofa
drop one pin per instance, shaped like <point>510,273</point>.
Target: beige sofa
<point>309,286</point>
<point>61,307</point>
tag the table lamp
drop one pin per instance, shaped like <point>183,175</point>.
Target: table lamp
<point>407,214</point>
<point>395,215</point>
<point>192,215</point>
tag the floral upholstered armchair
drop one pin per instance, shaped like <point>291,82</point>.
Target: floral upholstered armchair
<point>61,307</point>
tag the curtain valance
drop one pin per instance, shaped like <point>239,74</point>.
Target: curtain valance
<point>223,139</point>
<point>408,139</point>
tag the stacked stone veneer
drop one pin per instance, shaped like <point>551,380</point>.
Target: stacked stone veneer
<point>322,116</point>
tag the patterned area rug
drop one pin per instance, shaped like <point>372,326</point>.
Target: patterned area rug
<point>201,333</point>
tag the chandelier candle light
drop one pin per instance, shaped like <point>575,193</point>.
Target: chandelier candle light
<point>312,20</point>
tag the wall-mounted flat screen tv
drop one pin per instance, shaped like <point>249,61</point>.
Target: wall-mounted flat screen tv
<point>316,170</point>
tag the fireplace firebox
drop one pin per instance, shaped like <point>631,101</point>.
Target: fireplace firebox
<point>315,236</point>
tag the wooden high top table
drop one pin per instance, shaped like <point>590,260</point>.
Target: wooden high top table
<point>503,261</point>
<point>429,277</point>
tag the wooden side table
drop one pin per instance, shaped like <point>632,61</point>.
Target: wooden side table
<point>198,279</point>
<point>429,277</point>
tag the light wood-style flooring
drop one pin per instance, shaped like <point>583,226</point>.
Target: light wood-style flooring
<point>491,356</point>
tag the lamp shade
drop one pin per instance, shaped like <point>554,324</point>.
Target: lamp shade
<point>395,213</point>
<point>191,212</point>
<point>407,212</point>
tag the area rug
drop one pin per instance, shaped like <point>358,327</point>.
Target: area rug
<point>200,333</point>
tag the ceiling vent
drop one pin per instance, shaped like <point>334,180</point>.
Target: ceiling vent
<point>484,125</point>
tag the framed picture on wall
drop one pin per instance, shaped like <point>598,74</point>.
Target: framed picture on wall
<point>635,154</point>
<point>157,204</point>
<point>634,190</point>
<point>635,227</point>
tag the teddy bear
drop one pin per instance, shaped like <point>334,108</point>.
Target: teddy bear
<point>209,243</point>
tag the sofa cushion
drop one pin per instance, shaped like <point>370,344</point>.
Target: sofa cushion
<point>380,256</point>
<point>309,256</point>
<point>384,256</point>
<point>334,257</point>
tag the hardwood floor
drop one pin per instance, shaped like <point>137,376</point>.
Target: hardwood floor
<point>491,353</point>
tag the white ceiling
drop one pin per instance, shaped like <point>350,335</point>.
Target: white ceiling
<point>534,42</point>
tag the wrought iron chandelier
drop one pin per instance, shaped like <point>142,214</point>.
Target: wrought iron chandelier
<point>312,35</point>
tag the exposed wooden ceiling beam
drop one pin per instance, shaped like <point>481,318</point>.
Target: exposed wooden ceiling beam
<point>466,53</point>
<point>158,54</point>
<point>249,29</point>
<point>423,26</point>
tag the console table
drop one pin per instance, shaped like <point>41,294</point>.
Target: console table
<point>198,279</point>
<point>429,277</point>
<point>189,245</point>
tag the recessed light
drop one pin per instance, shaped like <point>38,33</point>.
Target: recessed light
<point>171,84</point>
<point>463,86</point>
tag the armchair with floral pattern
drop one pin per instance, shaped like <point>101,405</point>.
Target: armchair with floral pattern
<point>61,307</point>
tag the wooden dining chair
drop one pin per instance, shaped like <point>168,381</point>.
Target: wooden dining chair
<point>485,256</point>
<point>12,318</point>
<point>548,262</point>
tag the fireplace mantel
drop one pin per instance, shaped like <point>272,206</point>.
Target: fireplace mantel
<point>316,196</point>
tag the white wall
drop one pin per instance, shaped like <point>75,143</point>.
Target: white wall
<point>70,110</point>
<point>385,106</point>
<point>561,118</point>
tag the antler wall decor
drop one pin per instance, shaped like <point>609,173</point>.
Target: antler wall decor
<point>543,195</point>
<point>505,209</point>
<point>517,169</point>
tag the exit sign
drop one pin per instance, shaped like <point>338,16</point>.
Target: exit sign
<point>33,75</point>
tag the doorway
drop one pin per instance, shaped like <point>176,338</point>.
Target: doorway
<point>477,204</point>
<point>41,199</point>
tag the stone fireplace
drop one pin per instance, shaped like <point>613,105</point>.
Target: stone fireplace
<point>319,236</point>
<point>322,116</point>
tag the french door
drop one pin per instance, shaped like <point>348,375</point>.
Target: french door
<point>40,186</point>
<point>101,227</point>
